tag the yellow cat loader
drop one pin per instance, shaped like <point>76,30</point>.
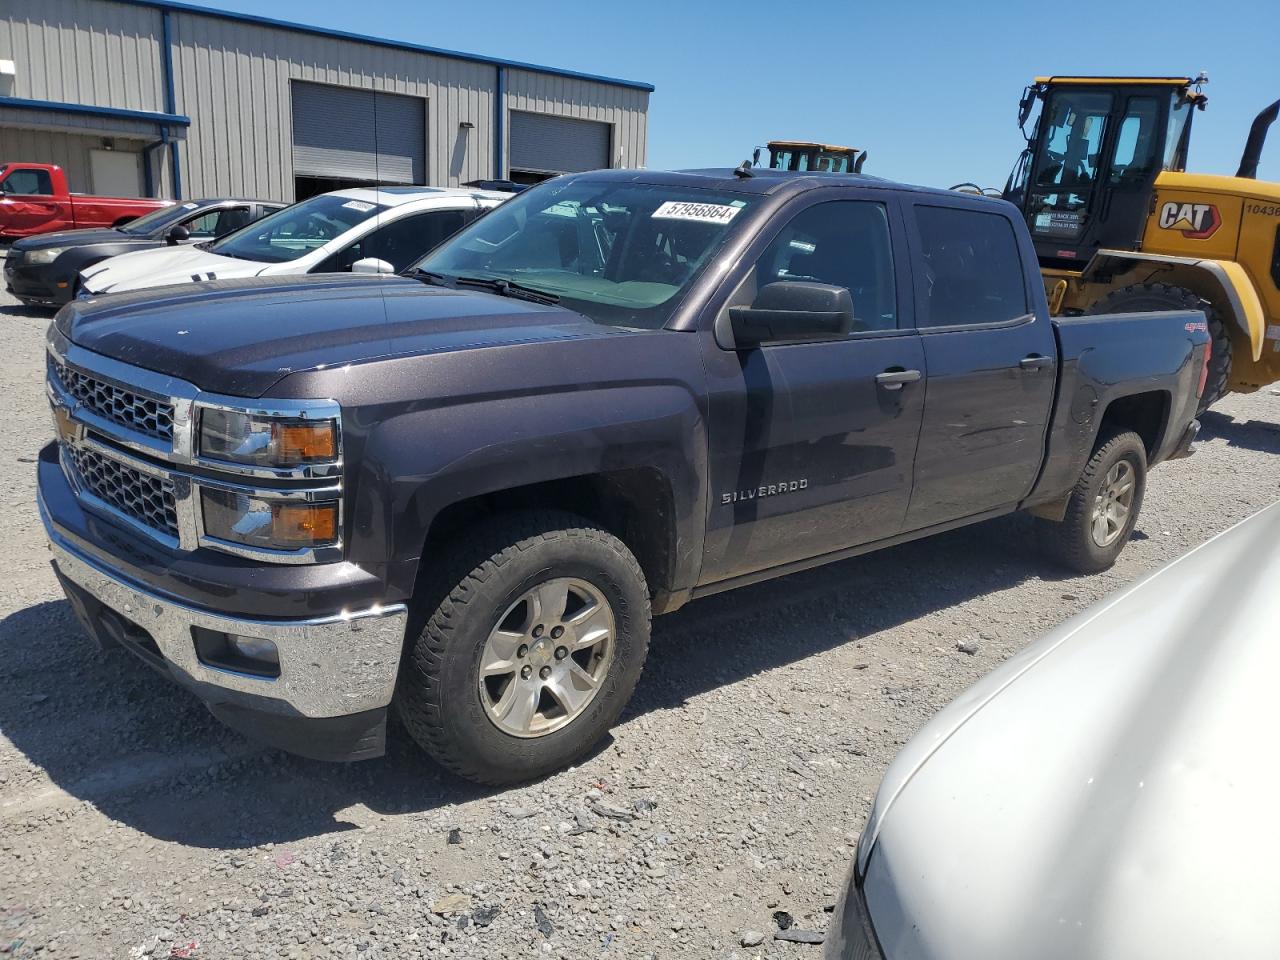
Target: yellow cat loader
<point>821,157</point>
<point>1120,226</point>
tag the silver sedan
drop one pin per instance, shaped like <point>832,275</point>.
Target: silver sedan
<point>1111,793</point>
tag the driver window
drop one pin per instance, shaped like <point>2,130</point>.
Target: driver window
<point>845,243</point>
<point>28,183</point>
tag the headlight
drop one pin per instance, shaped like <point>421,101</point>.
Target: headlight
<point>47,255</point>
<point>271,524</point>
<point>263,441</point>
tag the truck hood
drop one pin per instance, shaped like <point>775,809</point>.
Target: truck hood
<point>77,238</point>
<point>241,337</point>
<point>165,266</point>
<point>1108,793</point>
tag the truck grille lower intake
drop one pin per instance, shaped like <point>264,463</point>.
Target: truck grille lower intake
<point>146,499</point>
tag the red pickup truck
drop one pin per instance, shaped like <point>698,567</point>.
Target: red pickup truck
<point>34,199</point>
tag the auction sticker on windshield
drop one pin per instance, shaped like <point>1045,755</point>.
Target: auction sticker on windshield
<point>358,205</point>
<point>701,212</point>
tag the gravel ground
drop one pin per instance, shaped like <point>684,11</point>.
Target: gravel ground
<point>133,825</point>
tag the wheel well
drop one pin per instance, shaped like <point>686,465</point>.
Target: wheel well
<point>1146,414</point>
<point>635,505</point>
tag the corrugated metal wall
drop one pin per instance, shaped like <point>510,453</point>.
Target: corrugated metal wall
<point>232,79</point>
<point>68,151</point>
<point>624,108</point>
<point>84,51</point>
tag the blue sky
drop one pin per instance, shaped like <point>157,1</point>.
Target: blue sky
<point>929,88</point>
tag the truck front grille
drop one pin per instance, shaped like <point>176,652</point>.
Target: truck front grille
<point>148,500</point>
<point>135,411</point>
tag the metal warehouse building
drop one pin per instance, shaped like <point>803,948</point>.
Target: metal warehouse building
<point>145,97</point>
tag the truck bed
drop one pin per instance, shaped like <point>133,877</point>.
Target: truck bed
<point>1166,350</point>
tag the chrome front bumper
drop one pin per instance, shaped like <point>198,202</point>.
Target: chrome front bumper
<point>329,667</point>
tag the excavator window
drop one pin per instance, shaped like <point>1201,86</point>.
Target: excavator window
<point>1135,151</point>
<point>1175,147</point>
<point>1069,152</point>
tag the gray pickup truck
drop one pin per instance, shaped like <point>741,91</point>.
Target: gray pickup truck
<point>462,492</point>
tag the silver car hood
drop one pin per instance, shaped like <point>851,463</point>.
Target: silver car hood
<point>1112,792</point>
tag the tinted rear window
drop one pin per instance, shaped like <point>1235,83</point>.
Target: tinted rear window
<point>973,271</point>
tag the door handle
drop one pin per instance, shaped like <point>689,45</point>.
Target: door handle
<point>1035,362</point>
<point>894,379</point>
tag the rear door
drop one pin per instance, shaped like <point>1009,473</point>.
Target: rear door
<point>812,444</point>
<point>990,360</point>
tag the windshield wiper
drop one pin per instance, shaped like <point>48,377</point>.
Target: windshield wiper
<point>508,288</point>
<point>428,277</point>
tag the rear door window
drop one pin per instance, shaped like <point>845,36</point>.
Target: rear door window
<point>972,272</point>
<point>217,223</point>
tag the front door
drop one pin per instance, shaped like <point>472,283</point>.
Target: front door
<point>29,202</point>
<point>812,444</point>
<point>1135,158</point>
<point>991,361</point>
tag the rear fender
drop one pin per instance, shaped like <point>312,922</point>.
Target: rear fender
<point>1222,282</point>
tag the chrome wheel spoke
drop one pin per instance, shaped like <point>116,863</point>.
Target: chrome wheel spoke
<point>500,653</point>
<point>573,689</point>
<point>519,705</point>
<point>590,625</point>
<point>1100,529</point>
<point>549,600</point>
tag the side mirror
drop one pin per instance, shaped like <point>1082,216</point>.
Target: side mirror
<point>793,311</point>
<point>372,265</point>
<point>176,235</point>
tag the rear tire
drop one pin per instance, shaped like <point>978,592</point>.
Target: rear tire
<point>1101,511</point>
<point>488,614</point>
<point>1142,297</point>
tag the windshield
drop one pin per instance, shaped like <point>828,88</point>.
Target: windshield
<point>158,219</point>
<point>297,230</point>
<point>619,253</point>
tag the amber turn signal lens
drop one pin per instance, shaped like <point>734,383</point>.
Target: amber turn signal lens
<point>305,442</point>
<point>304,523</point>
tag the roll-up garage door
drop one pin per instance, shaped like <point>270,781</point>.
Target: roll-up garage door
<point>548,144</point>
<point>355,134</point>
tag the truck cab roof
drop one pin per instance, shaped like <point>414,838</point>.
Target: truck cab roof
<point>767,181</point>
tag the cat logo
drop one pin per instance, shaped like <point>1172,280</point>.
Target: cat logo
<point>1196,221</point>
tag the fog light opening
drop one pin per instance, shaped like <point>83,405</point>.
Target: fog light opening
<point>229,651</point>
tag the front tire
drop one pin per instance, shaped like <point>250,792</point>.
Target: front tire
<point>1142,297</point>
<point>533,638</point>
<point>1103,507</point>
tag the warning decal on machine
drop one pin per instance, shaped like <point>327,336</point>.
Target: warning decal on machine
<point>701,212</point>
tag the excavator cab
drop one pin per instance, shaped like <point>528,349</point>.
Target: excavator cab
<point>820,157</point>
<point>1086,177</point>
